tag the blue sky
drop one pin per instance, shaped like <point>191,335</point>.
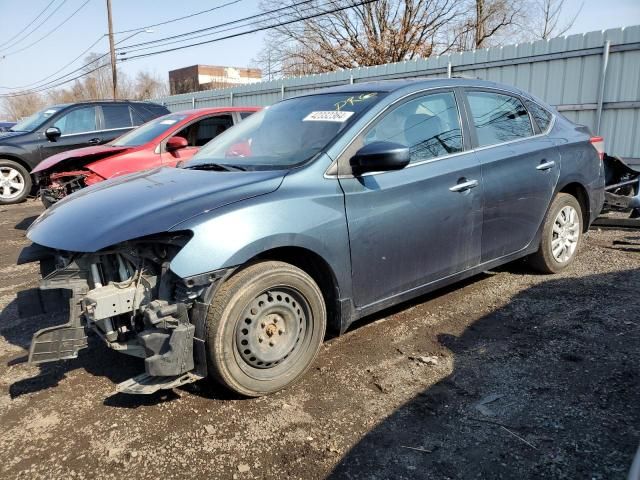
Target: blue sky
<point>90,24</point>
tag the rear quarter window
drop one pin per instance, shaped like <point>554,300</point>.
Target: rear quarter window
<point>540,115</point>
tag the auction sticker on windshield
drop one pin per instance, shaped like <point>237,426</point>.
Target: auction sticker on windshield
<point>328,116</point>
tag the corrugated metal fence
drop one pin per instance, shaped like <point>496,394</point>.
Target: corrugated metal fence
<point>592,78</point>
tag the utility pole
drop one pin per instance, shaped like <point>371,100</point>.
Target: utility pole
<point>114,73</point>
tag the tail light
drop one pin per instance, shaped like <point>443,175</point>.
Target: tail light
<point>598,144</point>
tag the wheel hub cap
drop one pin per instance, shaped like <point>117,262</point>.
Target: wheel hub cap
<point>565,234</point>
<point>11,183</point>
<point>271,329</point>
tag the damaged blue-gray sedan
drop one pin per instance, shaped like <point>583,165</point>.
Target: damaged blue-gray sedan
<point>307,216</point>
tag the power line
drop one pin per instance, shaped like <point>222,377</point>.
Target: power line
<point>51,31</point>
<point>12,44</point>
<point>82,67</point>
<point>180,18</point>
<point>163,42</point>
<point>267,27</point>
<point>271,12</point>
<point>28,24</point>
<point>44,87</point>
<point>57,71</point>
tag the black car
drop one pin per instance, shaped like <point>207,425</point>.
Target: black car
<point>59,128</point>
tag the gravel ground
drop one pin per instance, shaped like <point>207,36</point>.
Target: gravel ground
<point>507,375</point>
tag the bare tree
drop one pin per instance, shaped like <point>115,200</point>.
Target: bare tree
<point>148,86</point>
<point>547,16</point>
<point>370,34</point>
<point>18,107</point>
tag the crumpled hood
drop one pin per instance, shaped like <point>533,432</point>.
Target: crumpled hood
<point>141,204</point>
<point>89,154</point>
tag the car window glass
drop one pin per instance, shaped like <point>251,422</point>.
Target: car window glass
<point>244,115</point>
<point>428,125</point>
<point>79,120</point>
<point>209,128</point>
<point>498,118</point>
<point>541,116</point>
<point>116,116</point>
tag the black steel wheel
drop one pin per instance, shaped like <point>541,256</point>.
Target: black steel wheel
<point>265,327</point>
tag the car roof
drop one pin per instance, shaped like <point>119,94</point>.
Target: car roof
<point>415,83</point>
<point>207,110</point>
<point>98,102</point>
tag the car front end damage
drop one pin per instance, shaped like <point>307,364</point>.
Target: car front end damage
<point>53,187</point>
<point>129,298</point>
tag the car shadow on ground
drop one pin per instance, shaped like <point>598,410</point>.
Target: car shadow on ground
<point>25,223</point>
<point>541,388</point>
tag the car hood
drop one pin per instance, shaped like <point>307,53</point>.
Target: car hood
<point>7,135</point>
<point>90,154</point>
<point>141,204</point>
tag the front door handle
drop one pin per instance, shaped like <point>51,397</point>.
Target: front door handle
<point>94,141</point>
<point>545,165</point>
<point>464,185</point>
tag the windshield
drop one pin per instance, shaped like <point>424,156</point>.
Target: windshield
<point>34,121</point>
<point>286,134</point>
<point>147,132</point>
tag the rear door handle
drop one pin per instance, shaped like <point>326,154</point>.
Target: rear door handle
<point>545,165</point>
<point>463,186</point>
<point>94,141</point>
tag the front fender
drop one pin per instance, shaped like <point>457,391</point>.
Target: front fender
<point>309,218</point>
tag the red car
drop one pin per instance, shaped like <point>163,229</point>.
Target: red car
<point>163,141</point>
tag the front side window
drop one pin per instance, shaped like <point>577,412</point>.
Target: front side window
<point>428,125</point>
<point>116,116</point>
<point>286,134</point>
<point>205,130</point>
<point>498,118</point>
<point>80,120</point>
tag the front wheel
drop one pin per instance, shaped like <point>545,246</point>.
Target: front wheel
<point>561,235</point>
<point>265,327</point>
<point>15,182</point>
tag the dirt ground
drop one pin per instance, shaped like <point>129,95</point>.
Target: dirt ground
<point>507,375</point>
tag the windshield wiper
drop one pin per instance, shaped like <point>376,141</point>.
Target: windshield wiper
<point>217,166</point>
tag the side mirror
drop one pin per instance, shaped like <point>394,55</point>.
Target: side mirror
<point>176,143</point>
<point>52,133</point>
<point>380,157</point>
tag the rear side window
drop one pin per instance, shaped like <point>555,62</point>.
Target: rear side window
<point>498,118</point>
<point>429,125</point>
<point>79,120</point>
<point>244,115</point>
<point>541,116</point>
<point>116,116</point>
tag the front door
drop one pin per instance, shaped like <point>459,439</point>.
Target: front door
<point>410,227</point>
<point>78,128</point>
<point>519,171</point>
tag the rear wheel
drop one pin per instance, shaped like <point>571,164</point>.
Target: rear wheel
<point>15,182</point>
<point>265,327</point>
<point>561,235</point>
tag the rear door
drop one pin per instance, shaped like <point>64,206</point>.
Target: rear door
<point>413,226</point>
<point>116,120</point>
<point>78,127</point>
<point>520,169</point>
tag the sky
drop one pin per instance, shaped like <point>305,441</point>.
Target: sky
<point>90,25</point>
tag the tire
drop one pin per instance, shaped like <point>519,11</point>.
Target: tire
<point>15,182</point>
<point>564,238</point>
<point>265,327</point>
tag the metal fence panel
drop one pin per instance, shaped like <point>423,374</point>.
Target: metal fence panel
<point>592,78</point>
